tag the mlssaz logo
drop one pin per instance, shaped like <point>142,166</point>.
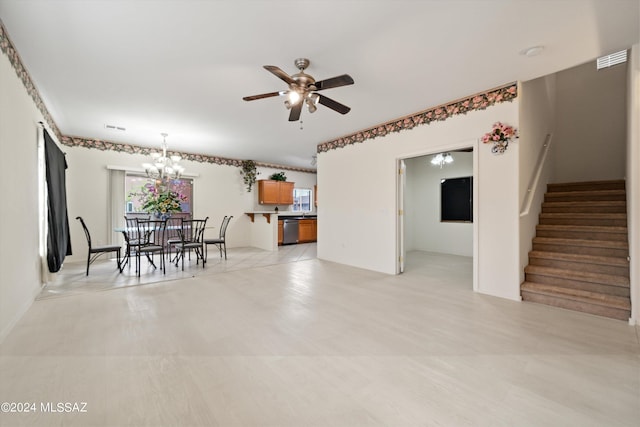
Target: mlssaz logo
<point>63,407</point>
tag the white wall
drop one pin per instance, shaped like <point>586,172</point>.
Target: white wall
<point>358,204</point>
<point>537,120</point>
<point>217,191</point>
<point>423,229</point>
<point>591,124</point>
<point>633,178</point>
<point>19,259</point>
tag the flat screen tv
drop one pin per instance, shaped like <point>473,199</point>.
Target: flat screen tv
<point>456,199</point>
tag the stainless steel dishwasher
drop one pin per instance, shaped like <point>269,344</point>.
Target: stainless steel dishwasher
<point>290,231</point>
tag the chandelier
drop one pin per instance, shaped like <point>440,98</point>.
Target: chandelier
<point>163,167</point>
<point>441,159</point>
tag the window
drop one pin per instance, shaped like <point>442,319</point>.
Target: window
<point>302,200</point>
<point>456,199</point>
<point>134,183</point>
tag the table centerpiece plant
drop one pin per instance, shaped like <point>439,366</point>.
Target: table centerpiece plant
<point>159,202</point>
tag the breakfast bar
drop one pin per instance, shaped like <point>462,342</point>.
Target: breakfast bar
<point>270,229</point>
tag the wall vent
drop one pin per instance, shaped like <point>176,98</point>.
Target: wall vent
<point>611,60</point>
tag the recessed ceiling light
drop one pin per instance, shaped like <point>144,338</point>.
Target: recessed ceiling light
<point>532,51</point>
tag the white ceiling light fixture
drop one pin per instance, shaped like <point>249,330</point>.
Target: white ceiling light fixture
<point>532,51</point>
<point>442,159</point>
<point>163,167</point>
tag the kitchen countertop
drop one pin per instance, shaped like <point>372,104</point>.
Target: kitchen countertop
<point>283,214</point>
<point>280,215</point>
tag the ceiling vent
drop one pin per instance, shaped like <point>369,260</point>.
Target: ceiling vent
<point>113,127</point>
<point>611,60</point>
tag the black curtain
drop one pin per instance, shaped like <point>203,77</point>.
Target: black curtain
<point>58,239</point>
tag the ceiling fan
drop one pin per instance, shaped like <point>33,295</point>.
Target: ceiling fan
<point>303,88</point>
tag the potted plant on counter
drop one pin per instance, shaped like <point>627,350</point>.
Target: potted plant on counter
<point>278,176</point>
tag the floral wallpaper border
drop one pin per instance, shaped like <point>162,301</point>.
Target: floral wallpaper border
<point>75,141</point>
<point>8,49</point>
<point>442,112</point>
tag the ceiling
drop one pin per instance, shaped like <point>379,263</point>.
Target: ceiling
<point>183,66</point>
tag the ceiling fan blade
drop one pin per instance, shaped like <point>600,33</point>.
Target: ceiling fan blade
<point>263,95</point>
<point>343,80</point>
<point>295,112</point>
<point>334,105</point>
<point>279,73</point>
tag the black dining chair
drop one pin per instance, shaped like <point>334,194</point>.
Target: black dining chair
<point>151,241</point>
<point>95,251</point>
<point>220,241</point>
<point>191,238</point>
<point>130,234</point>
<point>174,225</point>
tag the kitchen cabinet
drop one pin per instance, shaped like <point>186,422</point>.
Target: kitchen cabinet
<point>286,193</point>
<point>275,192</point>
<point>280,231</point>
<point>307,230</point>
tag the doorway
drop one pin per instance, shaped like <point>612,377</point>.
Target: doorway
<point>420,188</point>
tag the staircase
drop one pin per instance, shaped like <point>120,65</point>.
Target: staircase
<point>579,259</point>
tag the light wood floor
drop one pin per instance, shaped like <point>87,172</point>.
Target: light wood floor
<point>103,276</point>
<point>313,343</point>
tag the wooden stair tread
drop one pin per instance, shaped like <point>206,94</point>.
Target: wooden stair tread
<point>616,244</point>
<point>622,303</point>
<point>585,228</point>
<point>588,259</point>
<point>573,231</point>
<point>579,215</point>
<point>582,193</point>
<point>578,186</point>
<point>582,276</point>
<point>586,203</point>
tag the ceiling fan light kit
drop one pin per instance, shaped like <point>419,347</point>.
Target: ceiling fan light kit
<point>302,90</point>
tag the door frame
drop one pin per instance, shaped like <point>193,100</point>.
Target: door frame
<point>400,201</point>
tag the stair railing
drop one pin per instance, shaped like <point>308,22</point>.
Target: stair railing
<point>535,177</point>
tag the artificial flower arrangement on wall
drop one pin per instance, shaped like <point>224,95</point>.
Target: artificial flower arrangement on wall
<point>500,135</point>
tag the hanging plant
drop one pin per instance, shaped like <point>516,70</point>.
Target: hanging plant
<point>249,173</point>
<point>278,176</point>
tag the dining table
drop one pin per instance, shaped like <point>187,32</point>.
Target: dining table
<point>126,232</point>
